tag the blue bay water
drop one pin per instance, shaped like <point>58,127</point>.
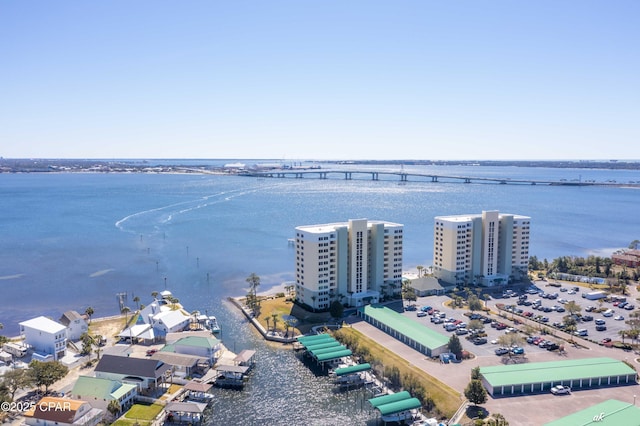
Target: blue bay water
<point>69,241</point>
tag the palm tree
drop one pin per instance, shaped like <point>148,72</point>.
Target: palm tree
<point>419,268</point>
<point>154,294</point>
<point>136,299</point>
<point>113,407</point>
<point>126,311</point>
<point>267,319</point>
<point>89,312</point>
<point>275,321</point>
<point>623,334</point>
<point>286,324</point>
<point>314,303</point>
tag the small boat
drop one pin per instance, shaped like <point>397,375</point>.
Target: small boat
<point>213,325</point>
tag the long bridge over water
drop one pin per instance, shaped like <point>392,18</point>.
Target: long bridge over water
<point>403,177</point>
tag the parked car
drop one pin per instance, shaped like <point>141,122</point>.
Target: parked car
<point>561,390</point>
<point>600,321</point>
<point>629,307</point>
<point>501,351</point>
<point>461,331</point>
<point>517,351</point>
<point>608,313</point>
<point>421,314</point>
<point>479,340</point>
<point>618,318</point>
<point>587,318</point>
<point>552,346</point>
<point>601,327</point>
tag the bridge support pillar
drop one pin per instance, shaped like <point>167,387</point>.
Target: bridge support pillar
<point>323,175</point>
<point>434,178</point>
<point>374,176</point>
<point>347,175</point>
<point>403,177</point>
<point>467,180</point>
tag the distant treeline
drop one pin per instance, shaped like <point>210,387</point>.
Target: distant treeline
<point>564,164</point>
<point>591,266</point>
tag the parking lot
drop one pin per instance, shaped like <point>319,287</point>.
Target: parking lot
<point>521,410</point>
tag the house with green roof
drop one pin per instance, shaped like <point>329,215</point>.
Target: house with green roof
<point>200,346</point>
<point>414,334</point>
<point>100,392</point>
<point>607,413</point>
<point>536,377</point>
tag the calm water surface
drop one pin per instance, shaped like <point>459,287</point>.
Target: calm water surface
<point>69,241</point>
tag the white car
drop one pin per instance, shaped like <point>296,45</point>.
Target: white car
<point>618,318</point>
<point>561,390</point>
<point>494,341</point>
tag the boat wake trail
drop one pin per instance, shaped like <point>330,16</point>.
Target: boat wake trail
<point>160,216</point>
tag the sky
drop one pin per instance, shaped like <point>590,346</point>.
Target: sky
<point>320,79</point>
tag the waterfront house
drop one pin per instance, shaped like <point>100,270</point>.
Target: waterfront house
<point>145,373</point>
<point>47,338</point>
<point>76,325</point>
<point>170,322</point>
<point>62,412</point>
<point>203,347</point>
<point>99,392</point>
<point>182,364</point>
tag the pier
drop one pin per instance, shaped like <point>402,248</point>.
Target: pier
<point>402,177</point>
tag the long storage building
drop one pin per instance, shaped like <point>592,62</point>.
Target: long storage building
<point>522,379</point>
<point>414,334</point>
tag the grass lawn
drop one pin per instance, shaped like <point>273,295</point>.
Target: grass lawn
<point>280,306</point>
<point>447,400</point>
<point>143,412</point>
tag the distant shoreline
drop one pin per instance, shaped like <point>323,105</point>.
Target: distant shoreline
<point>186,166</point>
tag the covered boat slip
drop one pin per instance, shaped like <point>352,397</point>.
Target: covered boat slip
<point>328,344</point>
<point>519,379</point>
<point>387,399</point>
<point>308,340</point>
<point>395,403</point>
<point>333,355</point>
<point>408,331</point>
<point>352,369</point>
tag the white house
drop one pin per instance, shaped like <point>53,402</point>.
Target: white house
<point>47,337</point>
<point>170,321</point>
<point>76,325</point>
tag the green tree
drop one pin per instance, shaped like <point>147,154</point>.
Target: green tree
<point>136,299</point>
<point>113,407</point>
<point>16,379</point>
<point>454,346</point>
<point>252,296</point>
<point>474,303</point>
<point>87,344</point>
<point>475,392</point>
<point>89,312</point>
<point>267,320</point>
<point>572,308</point>
<point>47,373</point>
<point>336,309</point>
<point>475,373</point>
<point>125,311</point>
<point>274,316</point>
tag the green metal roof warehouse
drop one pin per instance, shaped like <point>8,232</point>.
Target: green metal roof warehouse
<point>414,334</point>
<point>519,379</point>
<point>608,413</point>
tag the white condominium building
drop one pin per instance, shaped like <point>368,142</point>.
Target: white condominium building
<point>487,249</point>
<point>354,262</point>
